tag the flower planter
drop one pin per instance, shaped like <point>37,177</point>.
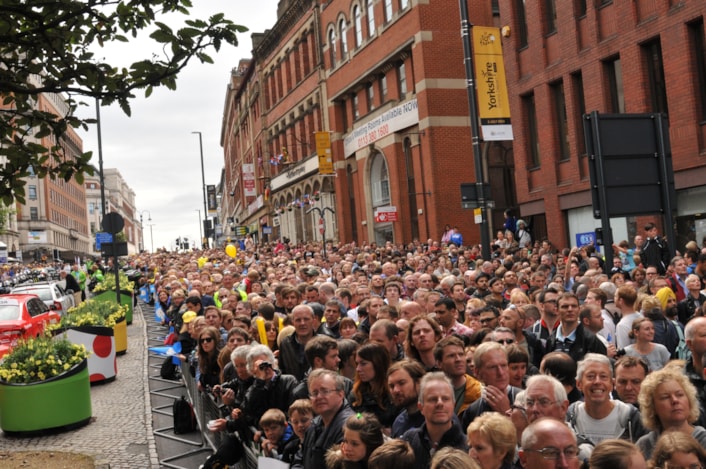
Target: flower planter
<point>56,404</point>
<point>100,342</point>
<point>125,299</point>
<point>120,334</point>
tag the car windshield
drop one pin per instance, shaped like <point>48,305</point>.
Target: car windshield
<point>43,293</point>
<point>9,312</point>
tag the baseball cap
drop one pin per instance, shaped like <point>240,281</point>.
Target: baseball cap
<point>188,316</point>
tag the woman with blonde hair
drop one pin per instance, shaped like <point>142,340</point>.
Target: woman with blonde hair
<point>453,458</point>
<point>643,331</point>
<point>492,440</point>
<point>668,403</point>
<point>676,449</point>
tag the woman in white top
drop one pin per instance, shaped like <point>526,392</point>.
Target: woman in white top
<point>656,355</point>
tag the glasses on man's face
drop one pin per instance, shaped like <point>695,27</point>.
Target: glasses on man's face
<point>552,302</point>
<point>505,341</point>
<point>206,340</point>
<point>486,320</point>
<point>650,273</point>
<point>690,466</point>
<point>553,454</point>
<point>322,392</point>
<point>543,402</point>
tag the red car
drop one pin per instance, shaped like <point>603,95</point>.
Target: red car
<point>22,316</point>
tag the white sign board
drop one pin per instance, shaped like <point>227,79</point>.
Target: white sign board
<point>37,237</point>
<point>399,117</point>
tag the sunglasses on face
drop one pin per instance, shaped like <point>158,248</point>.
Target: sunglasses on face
<point>206,340</point>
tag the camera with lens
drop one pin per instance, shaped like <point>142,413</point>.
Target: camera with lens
<point>265,365</point>
<point>621,352</point>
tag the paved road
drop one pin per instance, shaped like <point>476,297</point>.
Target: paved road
<point>120,435</point>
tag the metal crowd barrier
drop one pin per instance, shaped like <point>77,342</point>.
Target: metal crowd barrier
<point>208,407</point>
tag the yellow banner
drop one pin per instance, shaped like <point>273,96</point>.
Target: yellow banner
<point>323,150</point>
<point>491,86</point>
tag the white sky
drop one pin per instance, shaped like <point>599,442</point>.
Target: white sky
<point>154,150</point>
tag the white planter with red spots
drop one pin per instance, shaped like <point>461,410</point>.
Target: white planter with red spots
<point>100,342</point>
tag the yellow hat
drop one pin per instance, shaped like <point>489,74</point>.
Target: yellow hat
<point>663,295</point>
<point>188,316</point>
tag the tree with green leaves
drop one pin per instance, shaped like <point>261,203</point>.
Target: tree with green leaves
<point>49,46</point>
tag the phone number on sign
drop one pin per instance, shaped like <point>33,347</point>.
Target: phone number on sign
<point>374,135</point>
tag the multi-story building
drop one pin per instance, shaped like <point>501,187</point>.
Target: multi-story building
<point>565,59</point>
<point>52,222</point>
<point>273,109</point>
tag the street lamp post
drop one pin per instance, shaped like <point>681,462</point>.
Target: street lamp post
<point>322,212</point>
<point>142,230</point>
<point>151,238</point>
<point>203,182</point>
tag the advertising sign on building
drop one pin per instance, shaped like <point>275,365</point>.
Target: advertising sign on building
<point>491,86</point>
<point>398,118</point>
<point>37,237</point>
<point>385,214</point>
<point>211,200</point>
<point>249,180</point>
<point>323,151</point>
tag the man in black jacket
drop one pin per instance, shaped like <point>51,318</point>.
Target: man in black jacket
<point>655,252</point>
<point>332,409</point>
<point>440,429</point>
<point>292,359</point>
<point>570,336</point>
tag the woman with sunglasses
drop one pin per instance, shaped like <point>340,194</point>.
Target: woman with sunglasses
<point>207,352</point>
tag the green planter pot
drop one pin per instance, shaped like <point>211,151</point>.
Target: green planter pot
<point>120,333</point>
<point>57,404</point>
<point>125,300</point>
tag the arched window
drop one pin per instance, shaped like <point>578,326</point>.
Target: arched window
<point>371,18</point>
<point>332,46</point>
<point>358,24</point>
<point>379,181</point>
<point>344,38</point>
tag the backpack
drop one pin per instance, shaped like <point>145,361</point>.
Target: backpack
<point>682,352</point>
<point>184,417</point>
<point>169,370</point>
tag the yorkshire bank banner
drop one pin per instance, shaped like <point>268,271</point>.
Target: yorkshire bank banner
<point>493,102</point>
<point>249,180</point>
<point>399,117</point>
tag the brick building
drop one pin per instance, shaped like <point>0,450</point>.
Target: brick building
<point>398,110</point>
<point>564,59</point>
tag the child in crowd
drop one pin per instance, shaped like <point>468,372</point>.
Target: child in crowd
<point>300,415</point>
<point>362,433</point>
<point>277,433</point>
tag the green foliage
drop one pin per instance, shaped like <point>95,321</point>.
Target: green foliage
<point>56,41</point>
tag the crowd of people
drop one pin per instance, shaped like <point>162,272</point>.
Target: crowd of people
<point>427,355</point>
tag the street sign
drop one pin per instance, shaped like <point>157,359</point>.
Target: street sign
<point>266,230</point>
<point>241,230</point>
<point>103,238</point>
<point>478,216</point>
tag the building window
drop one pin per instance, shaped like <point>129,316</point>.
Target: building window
<point>521,23</point>
<point>32,192</point>
<point>91,208</point>
<point>344,38</point>
<point>371,18</point>
<point>379,181</point>
<point>580,106</point>
<point>532,134</point>
<point>655,75</point>
<point>33,213</point>
<point>93,227</point>
<point>614,71</point>
<point>388,10</point>
<point>550,5</point>
<point>383,89</point>
<point>370,92</point>
<point>562,125</point>
<point>698,47</point>
<point>358,25</point>
<point>402,80</point>
<point>356,112</point>
<point>580,8</point>
<point>404,4</point>
<point>332,47</point>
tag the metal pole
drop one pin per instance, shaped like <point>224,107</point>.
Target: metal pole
<point>203,182</point>
<point>151,238</point>
<point>142,234</point>
<point>100,157</point>
<point>475,130</point>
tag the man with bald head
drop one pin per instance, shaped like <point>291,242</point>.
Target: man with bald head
<point>549,443</point>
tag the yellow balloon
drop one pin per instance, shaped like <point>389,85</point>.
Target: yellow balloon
<point>201,261</point>
<point>231,250</point>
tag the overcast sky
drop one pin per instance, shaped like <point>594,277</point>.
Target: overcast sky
<point>155,150</point>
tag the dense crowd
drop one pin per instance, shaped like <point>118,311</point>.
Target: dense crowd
<point>427,355</point>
